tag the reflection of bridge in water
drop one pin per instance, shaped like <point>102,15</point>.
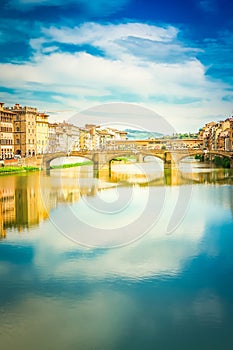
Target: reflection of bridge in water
<point>170,177</point>
<point>27,200</point>
<point>103,159</point>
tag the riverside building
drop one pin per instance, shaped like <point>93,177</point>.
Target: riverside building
<point>24,130</point>
<point>42,133</point>
<point>6,130</point>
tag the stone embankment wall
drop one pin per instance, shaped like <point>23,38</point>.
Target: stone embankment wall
<point>32,161</point>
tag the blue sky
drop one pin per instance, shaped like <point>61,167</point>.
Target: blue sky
<point>173,57</point>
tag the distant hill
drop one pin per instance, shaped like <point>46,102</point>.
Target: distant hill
<point>141,135</point>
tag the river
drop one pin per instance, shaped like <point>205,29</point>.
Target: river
<point>138,260</point>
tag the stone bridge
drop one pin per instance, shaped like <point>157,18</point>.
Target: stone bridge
<point>102,159</point>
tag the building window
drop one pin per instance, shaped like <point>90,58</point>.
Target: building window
<point>18,141</point>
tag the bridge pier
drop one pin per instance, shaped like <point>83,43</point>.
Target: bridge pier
<point>167,165</point>
<point>169,162</point>
<point>100,163</point>
<point>140,158</point>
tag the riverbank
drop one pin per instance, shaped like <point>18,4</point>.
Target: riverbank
<point>72,165</point>
<point>21,169</point>
<point>221,162</point>
<point>17,169</point>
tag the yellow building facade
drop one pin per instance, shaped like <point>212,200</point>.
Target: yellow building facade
<point>6,130</point>
<point>42,133</point>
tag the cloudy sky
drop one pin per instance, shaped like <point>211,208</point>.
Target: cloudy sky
<point>172,57</point>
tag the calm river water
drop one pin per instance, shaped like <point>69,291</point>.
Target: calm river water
<point>138,260</point>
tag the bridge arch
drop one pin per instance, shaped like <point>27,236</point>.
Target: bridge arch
<point>156,154</point>
<point>200,152</point>
<point>48,158</point>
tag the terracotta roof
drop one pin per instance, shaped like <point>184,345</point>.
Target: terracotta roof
<point>6,111</point>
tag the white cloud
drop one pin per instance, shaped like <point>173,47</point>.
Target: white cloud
<point>131,42</point>
<point>77,72</point>
<point>136,66</point>
<point>95,32</point>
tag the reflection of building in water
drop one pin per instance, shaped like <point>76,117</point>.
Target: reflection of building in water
<point>7,205</point>
<point>223,198</point>
<point>231,200</point>
<point>26,202</point>
<point>209,176</point>
<point>7,209</point>
<point>20,202</point>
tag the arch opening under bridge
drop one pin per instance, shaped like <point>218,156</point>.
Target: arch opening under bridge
<point>70,161</point>
<point>106,162</point>
<point>48,158</point>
